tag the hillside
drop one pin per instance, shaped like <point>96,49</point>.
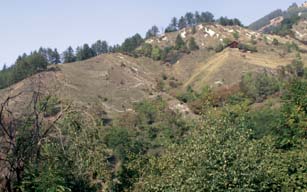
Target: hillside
<point>209,105</point>
<point>113,82</point>
<point>270,22</point>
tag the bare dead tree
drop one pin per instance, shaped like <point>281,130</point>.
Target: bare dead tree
<point>22,136</point>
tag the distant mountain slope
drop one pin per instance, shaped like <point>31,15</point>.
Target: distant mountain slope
<point>275,18</point>
<point>266,20</point>
<point>114,82</point>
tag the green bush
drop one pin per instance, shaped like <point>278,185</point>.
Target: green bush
<point>219,48</point>
<point>256,119</point>
<point>192,44</point>
<point>226,41</point>
<point>188,96</point>
<point>294,115</point>
<point>156,53</point>
<point>219,157</point>
<point>179,43</point>
<point>236,35</point>
<point>259,85</point>
<point>146,50</point>
<point>275,42</point>
<point>246,47</point>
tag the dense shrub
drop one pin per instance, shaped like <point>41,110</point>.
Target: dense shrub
<point>156,53</point>
<point>246,47</point>
<point>219,48</point>
<point>259,85</point>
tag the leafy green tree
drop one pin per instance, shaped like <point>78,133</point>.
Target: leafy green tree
<point>156,53</point>
<point>236,35</point>
<point>146,49</point>
<point>217,157</point>
<point>259,85</point>
<point>294,115</point>
<point>130,44</point>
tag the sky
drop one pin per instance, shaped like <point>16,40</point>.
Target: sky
<point>26,25</point>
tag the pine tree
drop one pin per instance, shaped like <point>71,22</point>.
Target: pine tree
<point>68,55</point>
<point>130,44</point>
<point>189,17</point>
<point>84,52</point>
<point>172,27</point>
<point>4,67</point>
<point>207,17</point>
<point>100,47</point>
<point>198,19</point>
<point>55,57</point>
<point>182,23</point>
<point>192,44</point>
<point>153,32</point>
<point>179,44</point>
<point>174,23</point>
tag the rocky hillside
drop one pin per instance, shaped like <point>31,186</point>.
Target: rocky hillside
<point>300,31</point>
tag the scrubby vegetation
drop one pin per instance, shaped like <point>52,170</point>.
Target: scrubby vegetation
<point>249,137</point>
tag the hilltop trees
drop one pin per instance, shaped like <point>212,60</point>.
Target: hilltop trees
<point>182,23</point>
<point>52,56</point>
<point>206,17</point>
<point>153,32</point>
<point>188,20</point>
<point>172,26</point>
<point>24,66</point>
<point>225,21</point>
<point>56,58</point>
<point>84,52</point>
<point>69,55</point>
<point>100,47</point>
<point>130,44</point>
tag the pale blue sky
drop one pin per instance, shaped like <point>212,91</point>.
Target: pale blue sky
<point>26,25</point>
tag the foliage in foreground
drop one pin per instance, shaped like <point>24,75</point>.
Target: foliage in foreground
<point>222,155</point>
<point>235,147</point>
